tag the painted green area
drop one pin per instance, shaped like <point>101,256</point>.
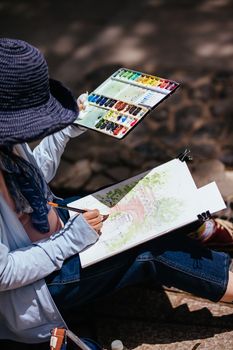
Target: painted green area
<point>166,211</point>
<point>114,196</point>
<point>159,210</point>
<point>150,182</point>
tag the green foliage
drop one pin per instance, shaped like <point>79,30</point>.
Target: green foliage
<point>148,182</point>
<point>166,210</point>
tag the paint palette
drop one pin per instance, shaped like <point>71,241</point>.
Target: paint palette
<point>123,100</point>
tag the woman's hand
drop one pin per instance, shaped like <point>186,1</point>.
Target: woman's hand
<point>82,101</point>
<point>94,219</point>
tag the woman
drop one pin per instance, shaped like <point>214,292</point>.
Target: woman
<point>40,274</point>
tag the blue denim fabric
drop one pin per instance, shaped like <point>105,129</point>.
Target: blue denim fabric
<point>64,214</point>
<point>171,260</point>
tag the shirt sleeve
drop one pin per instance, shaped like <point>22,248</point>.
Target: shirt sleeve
<point>49,151</point>
<point>36,261</point>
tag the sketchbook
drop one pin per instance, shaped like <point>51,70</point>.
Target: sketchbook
<point>147,206</point>
<point>123,100</point>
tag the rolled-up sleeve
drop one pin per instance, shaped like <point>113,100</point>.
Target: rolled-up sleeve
<point>48,153</point>
<point>36,261</point>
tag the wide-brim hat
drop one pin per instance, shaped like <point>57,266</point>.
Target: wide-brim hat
<point>31,104</point>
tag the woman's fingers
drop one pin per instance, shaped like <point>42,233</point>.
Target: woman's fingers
<point>98,228</point>
<point>82,101</point>
<point>91,214</point>
<point>94,219</point>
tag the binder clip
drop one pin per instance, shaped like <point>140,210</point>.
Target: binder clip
<point>184,156</point>
<point>204,216</point>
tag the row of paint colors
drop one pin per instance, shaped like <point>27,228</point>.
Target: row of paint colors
<point>111,127</point>
<point>117,105</point>
<point>123,119</point>
<point>113,122</point>
<point>146,80</point>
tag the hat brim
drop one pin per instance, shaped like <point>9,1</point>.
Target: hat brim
<point>19,126</point>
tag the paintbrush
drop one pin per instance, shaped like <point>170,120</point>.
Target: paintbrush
<point>77,210</point>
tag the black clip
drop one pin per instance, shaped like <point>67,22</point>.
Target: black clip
<point>184,156</point>
<point>204,216</point>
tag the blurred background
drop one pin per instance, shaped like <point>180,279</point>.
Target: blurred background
<point>187,41</point>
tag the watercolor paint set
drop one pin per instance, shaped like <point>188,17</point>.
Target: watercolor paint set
<point>123,100</point>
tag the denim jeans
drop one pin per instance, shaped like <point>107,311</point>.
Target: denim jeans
<point>171,260</point>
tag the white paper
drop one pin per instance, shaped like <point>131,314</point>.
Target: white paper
<point>147,206</point>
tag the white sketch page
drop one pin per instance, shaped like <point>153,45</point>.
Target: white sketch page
<point>106,198</point>
<point>142,208</point>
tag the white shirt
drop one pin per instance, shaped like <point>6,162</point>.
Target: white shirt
<point>27,310</point>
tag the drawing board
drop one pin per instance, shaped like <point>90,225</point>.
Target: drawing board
<point>147,206</point>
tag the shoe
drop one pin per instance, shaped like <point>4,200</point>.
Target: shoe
<point>221,237</point>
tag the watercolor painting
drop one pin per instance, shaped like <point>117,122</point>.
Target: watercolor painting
<point>145,207</point>
<point>138,211</point>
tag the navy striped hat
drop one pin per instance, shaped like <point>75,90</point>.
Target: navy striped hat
<point>31,104</point>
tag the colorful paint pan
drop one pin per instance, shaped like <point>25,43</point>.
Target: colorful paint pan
<point>147,80</point>
<point>122,101</point>
<point>118,129</point>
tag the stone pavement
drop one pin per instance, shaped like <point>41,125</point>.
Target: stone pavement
<point>149,318</point>
<point>186,119</point>
<point>174,321</point>
<point>188,41</point>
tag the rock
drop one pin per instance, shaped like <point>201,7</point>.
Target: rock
<point>170,140</point>
<point>77,148</point>
<point>152,124</point>
<point>97,167</point>
<point>222,108</point>
<point>162,132</point>
<point>224,89</point>
<point>176,98</point>
<point>149,165</point>
<point>227,156</point>
<point>119,173</point>
<point>204,150</point>
<point>209,130</point>
<point>221,75</point>
<point>150,150</point>
<point>203,92</point>
<point>186,118</point>
<point>206,171</point>
<point>176,321</point>
<point>132,158</point>
<point>63,169</point>
<point>186,77</point>
<point>229,175</point>
<point>200,80</point>
<point>161,115</point>
<point>97,182</point>
<point>105,155</point>
<point>131,142</point>
<point>76,176</point>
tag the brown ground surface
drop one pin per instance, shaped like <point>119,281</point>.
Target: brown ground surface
<point>188,41</point>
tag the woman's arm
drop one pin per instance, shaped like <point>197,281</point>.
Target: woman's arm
<point>29,264</point>
<point>48,153</point>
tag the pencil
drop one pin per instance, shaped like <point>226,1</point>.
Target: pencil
<point>77,210</point>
